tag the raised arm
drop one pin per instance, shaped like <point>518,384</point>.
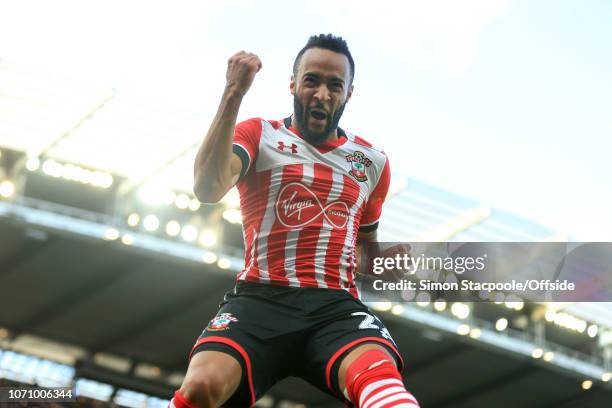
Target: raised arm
<point>216,168</point>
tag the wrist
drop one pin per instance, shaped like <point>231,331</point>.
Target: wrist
<point>233,92</point>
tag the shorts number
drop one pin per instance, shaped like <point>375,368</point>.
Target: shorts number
<point>368,323</point>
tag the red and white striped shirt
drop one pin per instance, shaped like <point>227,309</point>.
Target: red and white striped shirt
<point>303,205</point>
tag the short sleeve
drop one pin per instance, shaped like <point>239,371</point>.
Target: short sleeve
<point>246,142</point>
<point>371,214</point>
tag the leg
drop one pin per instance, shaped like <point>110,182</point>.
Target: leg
<point>352,356</point>
<point>212,377</point>
<point>369,378</point>
<point>231,363</point>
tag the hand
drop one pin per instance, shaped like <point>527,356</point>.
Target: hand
<point>382,252</point>
<point>403,250</point>
<point>241,70</point>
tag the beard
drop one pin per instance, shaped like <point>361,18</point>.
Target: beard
<point>301,120</point>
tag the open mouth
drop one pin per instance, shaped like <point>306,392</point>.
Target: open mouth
<point>318,114</point>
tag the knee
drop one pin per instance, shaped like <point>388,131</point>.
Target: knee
<point>203,389</point>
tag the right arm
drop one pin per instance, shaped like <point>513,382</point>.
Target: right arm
<point>217,168</point>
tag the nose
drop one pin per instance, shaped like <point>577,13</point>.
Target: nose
<point>322,94</point>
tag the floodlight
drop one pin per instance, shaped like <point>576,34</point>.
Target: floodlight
<point>189,233</point>
<point>501,324</point>
<point>173,228</point>
<point>7,189</point>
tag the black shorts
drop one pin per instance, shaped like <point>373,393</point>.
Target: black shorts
<point>278,331</point>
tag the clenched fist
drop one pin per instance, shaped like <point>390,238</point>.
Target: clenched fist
<point>241,70</point>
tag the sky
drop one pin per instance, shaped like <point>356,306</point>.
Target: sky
<point>505,101</point>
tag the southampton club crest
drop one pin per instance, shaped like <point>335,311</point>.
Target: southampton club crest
<point>358,165</point>
<point>221,322</point>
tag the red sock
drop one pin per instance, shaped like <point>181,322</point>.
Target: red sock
<point>373,381</point>
<point>179,401</point>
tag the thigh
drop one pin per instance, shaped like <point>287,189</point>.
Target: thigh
<point>244,329</point>
<point>333,342</point>
<point>212,377</point>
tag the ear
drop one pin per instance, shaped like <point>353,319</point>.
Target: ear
<point>350,93</point>
<point>292,85</point>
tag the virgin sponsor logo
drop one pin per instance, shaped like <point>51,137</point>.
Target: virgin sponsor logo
<point>297,206</point>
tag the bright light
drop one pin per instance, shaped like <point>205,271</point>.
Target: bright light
<point>133,219</point>
<point>33,164</point>
<point>440,305</point>
<point>501,324</point>
<point>475,333</point>
<point>182,201</point>
<point>154,194</point>
<point>397,309</point>
<point>605,377</point>
<point>7,189</point>
<point>423,299</point>
<point>101,179</point>
<point>72,172</point>
<point>382,306</point>
<point>460,310</point>
<point>150,223</point>
<point>168,197</point>
<point>189,233</point>
<point>224,263</point>
<point>75,173</point>
<point>548,356</point>
<point>514,302</point>
<point>570,322</point>
<point>463,329</point>
<point>537,352</point>
<point>232,198</point>
<point>587,384</point>
<point>127,239</point>
<point>173,228</point>
<point>111,234</point>
<point>592,330</point>
<point>232,215</point>
<point>52,168</point>
<point>550,315</point>
<point>208,238</point>
<point>209,258</point>
<point>194,204</point>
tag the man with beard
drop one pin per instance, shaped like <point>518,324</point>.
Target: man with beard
<point>310,192</point>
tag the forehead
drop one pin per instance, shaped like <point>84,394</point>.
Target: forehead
<point>325,63</point>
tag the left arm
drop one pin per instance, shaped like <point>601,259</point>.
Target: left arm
<point>371,215</point>
<point>367,237</point>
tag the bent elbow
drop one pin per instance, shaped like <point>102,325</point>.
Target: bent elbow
<point>207,194</point>
<point>211,189</point>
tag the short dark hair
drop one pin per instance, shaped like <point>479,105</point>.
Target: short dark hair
<point>328,42</point>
